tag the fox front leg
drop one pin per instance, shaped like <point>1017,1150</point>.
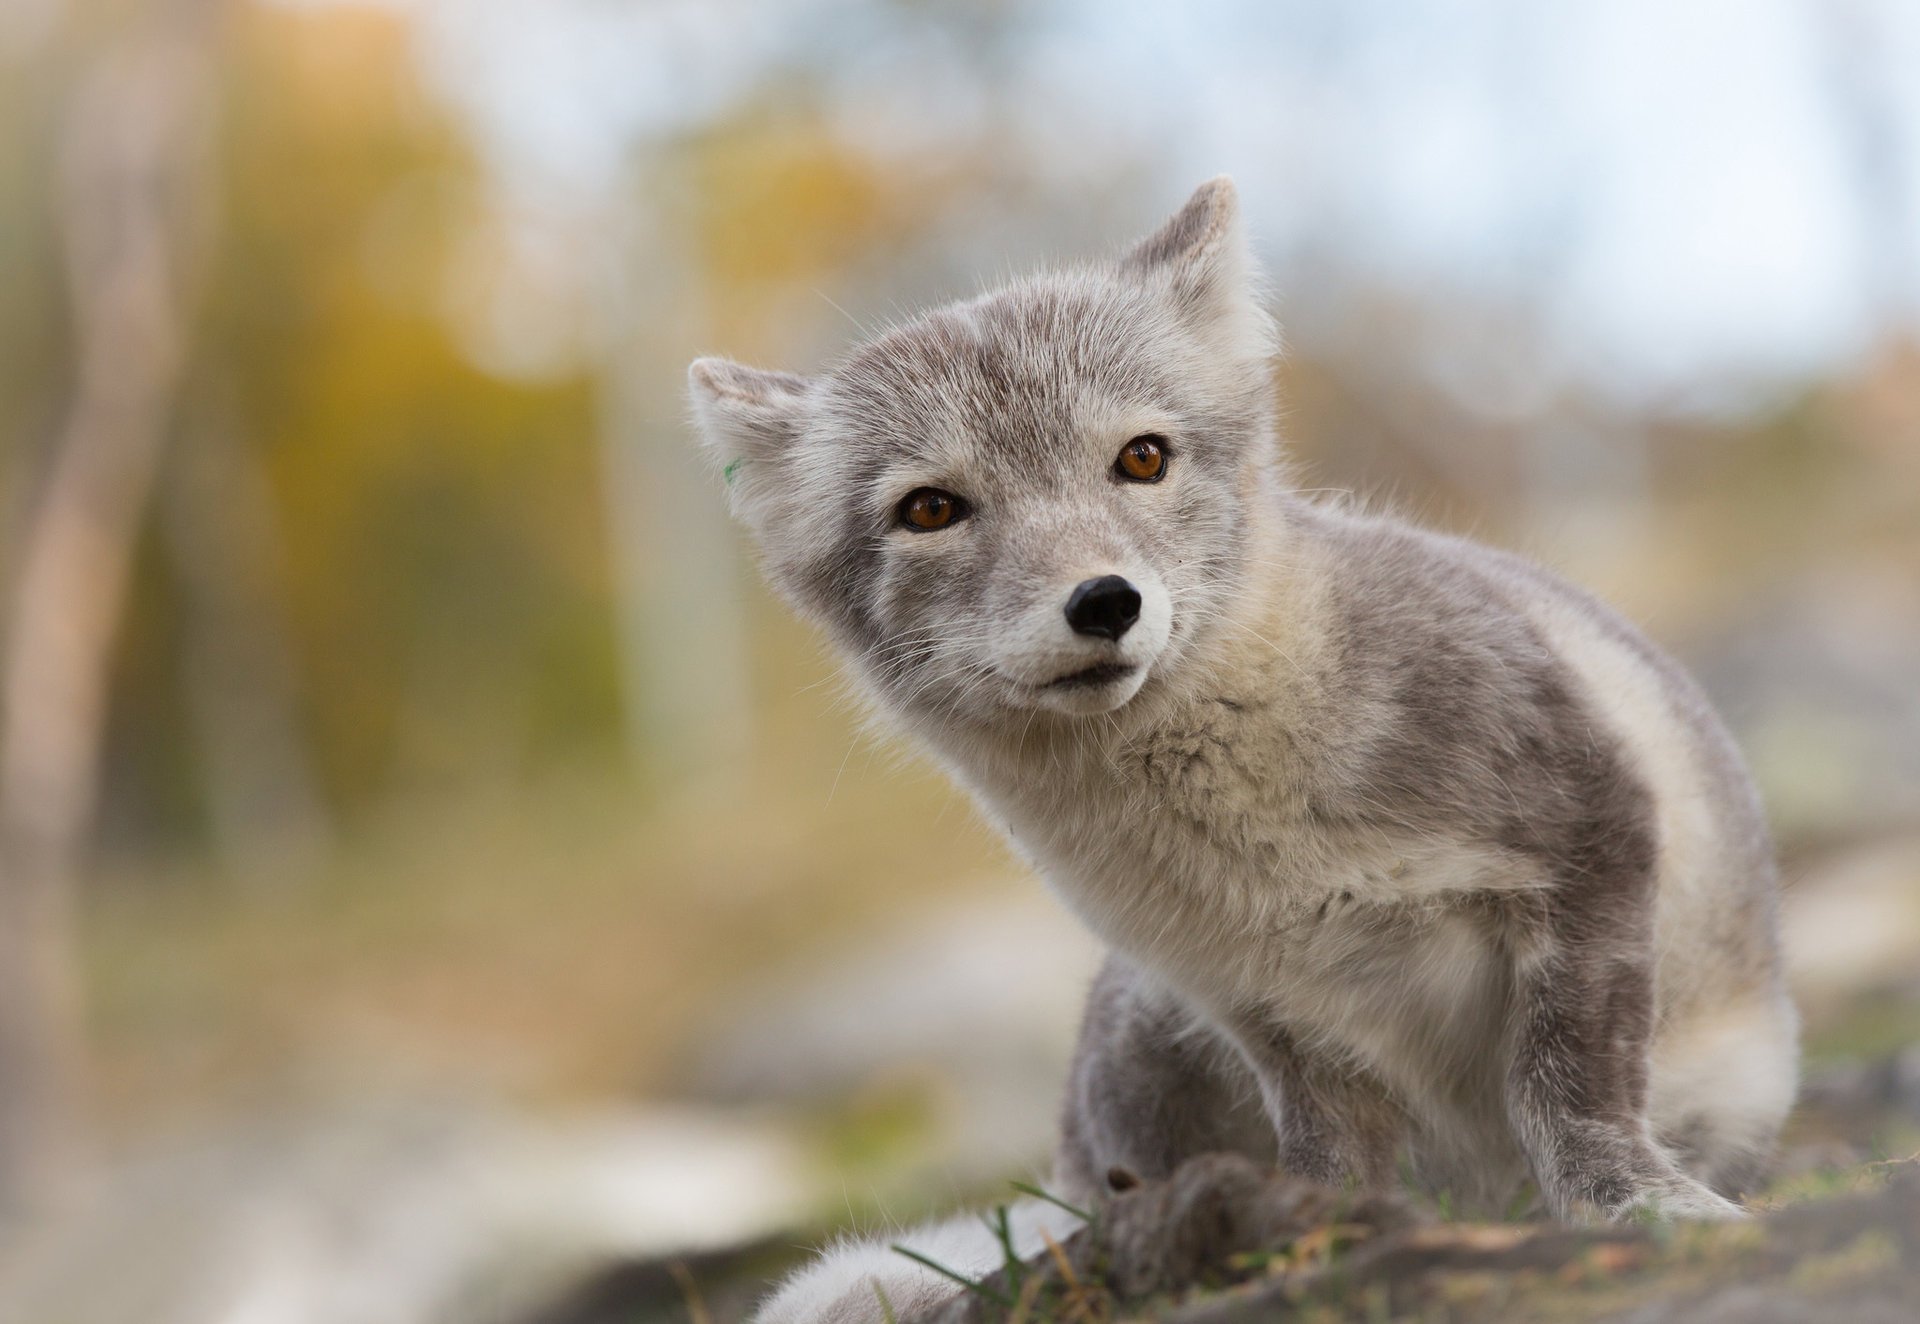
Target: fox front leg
<point>1577,1080</point>
<point>1335,1124</point>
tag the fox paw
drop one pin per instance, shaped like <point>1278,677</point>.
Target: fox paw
<point>1677,1198</point>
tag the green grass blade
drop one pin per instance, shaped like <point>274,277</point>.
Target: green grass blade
<point>979,1289</point>
<point>1027,1188</point>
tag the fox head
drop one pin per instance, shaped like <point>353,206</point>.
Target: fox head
<point>1036,500</point>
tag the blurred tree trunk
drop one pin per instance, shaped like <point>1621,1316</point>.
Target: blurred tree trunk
<point>268,816</point>
<point>134,185</point>
<point>682,612</point>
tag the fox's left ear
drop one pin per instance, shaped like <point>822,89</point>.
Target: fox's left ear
<point>1202,260</point>
<point>749,420</point>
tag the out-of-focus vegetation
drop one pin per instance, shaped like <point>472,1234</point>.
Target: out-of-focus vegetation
<point>414,724</point>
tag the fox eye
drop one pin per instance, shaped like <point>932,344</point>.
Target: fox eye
<point>1143,460</point>
<point>930,508</point>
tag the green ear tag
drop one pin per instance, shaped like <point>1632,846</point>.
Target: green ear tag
<point>731,469</point>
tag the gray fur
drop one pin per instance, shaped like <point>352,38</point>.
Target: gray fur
<point>1404,846</point>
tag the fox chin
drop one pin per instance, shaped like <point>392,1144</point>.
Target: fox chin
<point>1405,849</point>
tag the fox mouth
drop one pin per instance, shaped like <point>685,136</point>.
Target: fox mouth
<point>1104,673</point>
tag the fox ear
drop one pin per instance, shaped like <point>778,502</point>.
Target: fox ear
<point>1202,260</point>
<point>748,420</point>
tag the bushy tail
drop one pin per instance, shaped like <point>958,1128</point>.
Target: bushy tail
<point>849,1280</point>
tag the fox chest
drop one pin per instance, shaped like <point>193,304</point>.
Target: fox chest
<point>1222,829</point>
<point>1215,865</point>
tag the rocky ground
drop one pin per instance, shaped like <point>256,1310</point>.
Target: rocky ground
<point>1836,1237</point>
<point>1223,1242</point>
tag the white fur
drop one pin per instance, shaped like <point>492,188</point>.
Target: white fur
<point>846,1283</point>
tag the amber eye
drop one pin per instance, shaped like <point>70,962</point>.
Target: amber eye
<point>1143,460</point>
<point>930,508</point>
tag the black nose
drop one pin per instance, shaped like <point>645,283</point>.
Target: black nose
<point>1107,606</point>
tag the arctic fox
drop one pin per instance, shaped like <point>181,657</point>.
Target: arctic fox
<point>1402,845</point>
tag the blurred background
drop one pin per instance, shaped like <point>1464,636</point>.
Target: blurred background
<point>436,882</point>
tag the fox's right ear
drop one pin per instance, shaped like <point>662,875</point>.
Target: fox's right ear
<point>749,420</point>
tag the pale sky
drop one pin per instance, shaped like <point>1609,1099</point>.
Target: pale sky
<point>1674,186</point>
